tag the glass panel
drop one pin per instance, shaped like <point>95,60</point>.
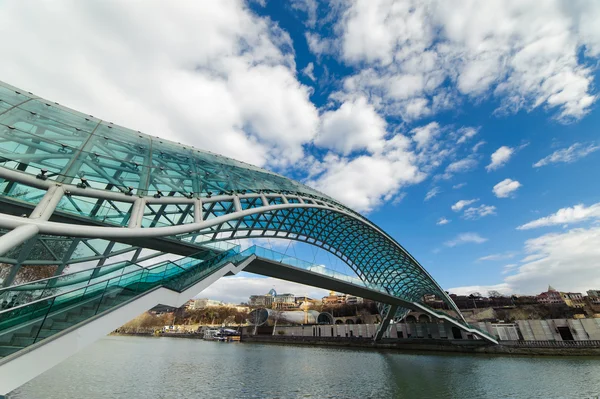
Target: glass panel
<point>10,96</point>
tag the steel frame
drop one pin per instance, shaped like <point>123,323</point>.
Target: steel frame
<point>129,187</point>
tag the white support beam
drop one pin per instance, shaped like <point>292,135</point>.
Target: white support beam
<point>236,204</point>
<point>198,216</point>
<point>48,203</point>
<point>17,236</point>
<point>137,213</point>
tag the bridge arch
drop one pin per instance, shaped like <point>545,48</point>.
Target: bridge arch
<point>115,183</point>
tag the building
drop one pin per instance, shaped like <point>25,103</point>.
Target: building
<point>573,299</point>
<point>594,293</point>
<point>263,301</point>
<point>284,301</point>
<point>334,299</point>
<point>353,300</point>
<point>203,303</point>
<point>550,297</point>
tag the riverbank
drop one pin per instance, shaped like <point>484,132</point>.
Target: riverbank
<point>432,345</point>
<point>523,348</point>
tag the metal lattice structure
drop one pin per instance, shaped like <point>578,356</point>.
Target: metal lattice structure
<point>101,190</point>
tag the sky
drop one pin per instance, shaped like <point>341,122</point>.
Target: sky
<point>467,130</point>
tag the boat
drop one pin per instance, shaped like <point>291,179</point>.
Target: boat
<point>227,335</point>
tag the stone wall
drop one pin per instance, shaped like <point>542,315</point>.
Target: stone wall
<point>525,330</point>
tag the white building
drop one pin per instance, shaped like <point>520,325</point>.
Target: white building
<point>204,303</point>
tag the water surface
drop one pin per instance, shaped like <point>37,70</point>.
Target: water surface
<point>143,368</point>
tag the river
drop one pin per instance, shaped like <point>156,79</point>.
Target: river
<point>149,368</point>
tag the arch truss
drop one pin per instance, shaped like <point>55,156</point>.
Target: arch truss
<point>102,189</point>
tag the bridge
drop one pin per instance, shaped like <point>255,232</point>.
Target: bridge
<point>79,194</point>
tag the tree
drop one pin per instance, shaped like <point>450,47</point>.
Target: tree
<point>494,294</point>
<point>44,248</point>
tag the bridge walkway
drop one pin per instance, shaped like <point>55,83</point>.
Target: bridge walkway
<point>45,321</point>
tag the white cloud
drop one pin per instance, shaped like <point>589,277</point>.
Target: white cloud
<point>309,71</point>
<point>383,163</point>
<point>425,134</point>
<point>576,214</point>
<point>463,165</point>
<point>477,146</point>
<point>309,7</point>
<point>509,268</point>
<point>365,181</point>
<point>462,203</point>
<point>502,288</point>
<point>495,257</point>
<point>568,261</point>
<point>482,210</point>
<point>460,185</point>
<point>506,188</point>
<point>443,221</point>
<point>500,157</point>
<point>353,126</point>
<point>465,134</point>
<point>237,289</point>
<point>432,193</point>
<point>526,56</point>
<point>319,45</point>
<point>567,155</point>
<point>465,238</point>
<point>211,75</point>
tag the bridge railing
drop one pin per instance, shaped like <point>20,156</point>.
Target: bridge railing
<point>42,318</point>
<point>16,295</point>
<point>292,261</point>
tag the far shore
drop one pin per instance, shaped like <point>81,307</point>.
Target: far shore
<point>409,345</point>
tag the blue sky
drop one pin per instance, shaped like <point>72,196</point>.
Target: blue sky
<point>467,130</point>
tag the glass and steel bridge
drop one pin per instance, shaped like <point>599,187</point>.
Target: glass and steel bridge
<point>78,193</point>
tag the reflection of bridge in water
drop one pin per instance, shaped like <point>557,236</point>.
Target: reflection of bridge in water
<point>78,193</point>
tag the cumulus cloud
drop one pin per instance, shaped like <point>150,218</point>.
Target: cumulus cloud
<point>566,260</point>
<point>465,238</point>
<point>211,75</point>
<point>237,289</point>
<point>443,221</point>
<point>506,188</point>
<point>478,212</point>
<point>500,157</point>
<point>462,203</point>
<point>527,57</point>
<point>576,214</point>
<point>366,165</point>
<point>432,193</point>
<point>365,181</point>
<point>502,288</point>
<point>353,126</point>
<point>567,155</point>
<point>425,134</point>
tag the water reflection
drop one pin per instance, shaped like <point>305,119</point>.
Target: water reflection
<point>134,367</point>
